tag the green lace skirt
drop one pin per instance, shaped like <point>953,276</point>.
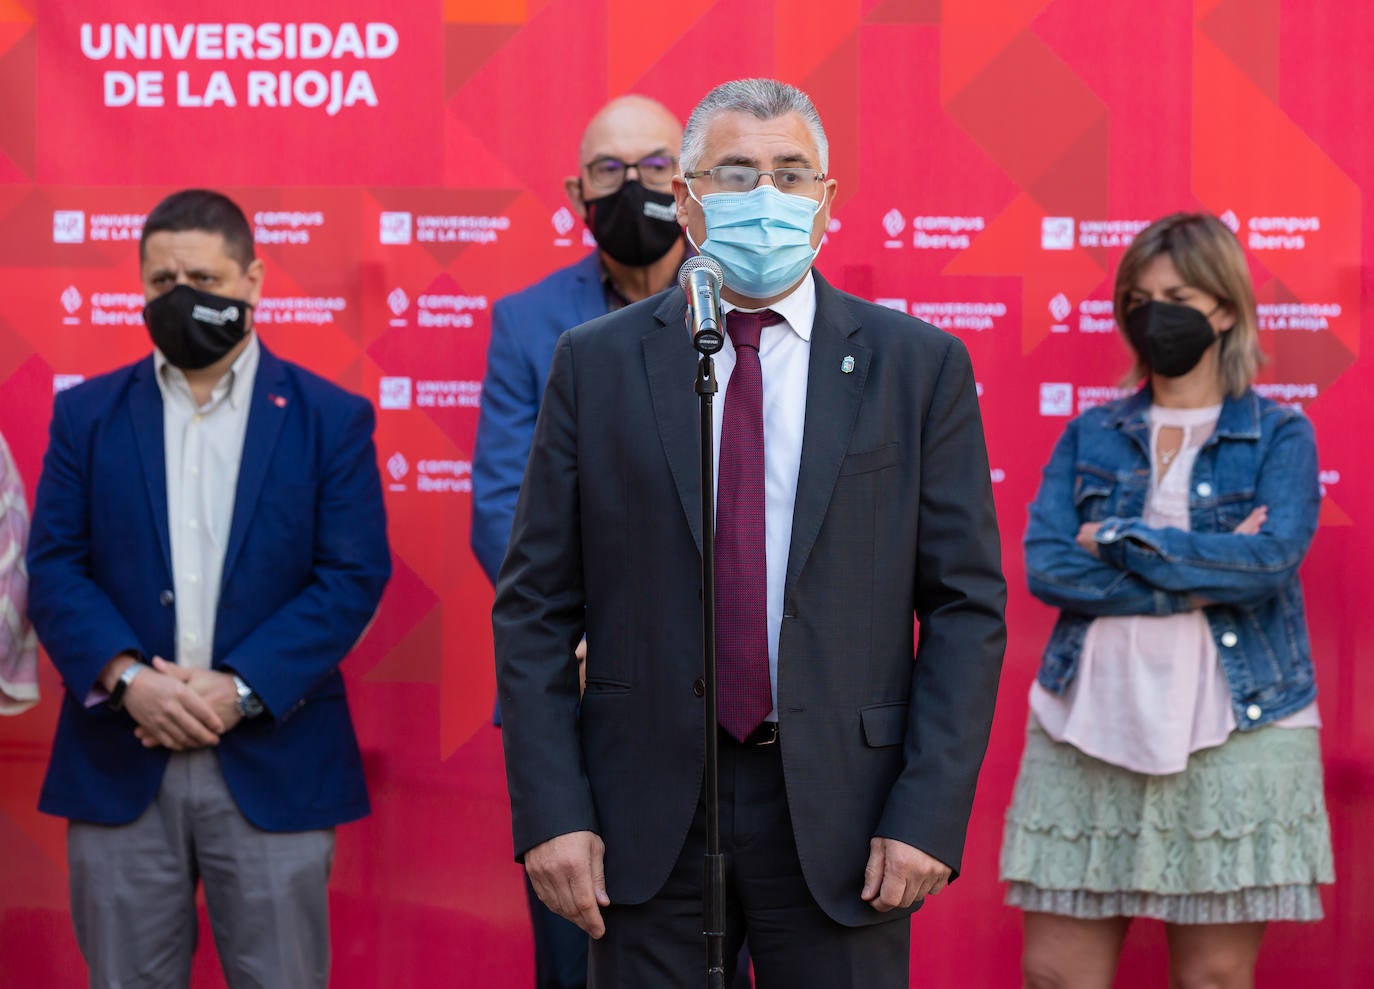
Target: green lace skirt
<point>1241,835</point>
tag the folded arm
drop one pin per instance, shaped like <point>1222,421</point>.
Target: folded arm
<point>1232,567</point>
<point>1060,572</point>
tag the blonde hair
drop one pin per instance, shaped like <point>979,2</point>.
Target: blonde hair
<point>1207,256</point>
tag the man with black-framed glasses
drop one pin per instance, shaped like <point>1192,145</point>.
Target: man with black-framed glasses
<point>623,191</point>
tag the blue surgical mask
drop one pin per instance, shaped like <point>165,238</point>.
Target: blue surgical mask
<point>761,238</point>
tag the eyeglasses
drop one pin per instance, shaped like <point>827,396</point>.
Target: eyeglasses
<point>608,174</point>
<point>745,178</point>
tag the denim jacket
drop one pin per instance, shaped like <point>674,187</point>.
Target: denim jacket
<point>1259,454</point>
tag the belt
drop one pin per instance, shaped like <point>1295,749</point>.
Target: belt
<point>764,734</point>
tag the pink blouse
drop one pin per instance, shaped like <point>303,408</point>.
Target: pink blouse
<point>18,648</point>
<point>1150,690</point>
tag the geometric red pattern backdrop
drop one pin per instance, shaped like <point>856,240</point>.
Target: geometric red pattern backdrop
<point>402,165</point>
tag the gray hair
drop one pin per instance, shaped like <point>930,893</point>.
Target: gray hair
<point>765,99</point>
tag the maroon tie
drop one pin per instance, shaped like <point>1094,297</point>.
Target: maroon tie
<point>745,697</point>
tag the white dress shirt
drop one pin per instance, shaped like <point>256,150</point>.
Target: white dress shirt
<point>203,448</point>
<point>785,354</point>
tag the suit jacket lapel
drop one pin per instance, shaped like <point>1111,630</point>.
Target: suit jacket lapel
<point>670,363</point>
<point>832,407</point>
<point>268,408</point>
<point>145,407</point>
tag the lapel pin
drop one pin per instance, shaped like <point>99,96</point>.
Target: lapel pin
<point>280,401</point>
<point>847,365</point>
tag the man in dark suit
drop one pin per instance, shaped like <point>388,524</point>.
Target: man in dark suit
<point>623,192</point>
<point>208,543</point>
<point>854,497</point>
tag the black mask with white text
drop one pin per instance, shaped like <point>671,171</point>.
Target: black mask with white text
<point>634,225</point>
<point>1170,338</point>
<point>193,329</point>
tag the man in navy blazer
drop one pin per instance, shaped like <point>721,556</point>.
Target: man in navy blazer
<point>623,192</point>
<point>639,248</point>
<point>208,543</point>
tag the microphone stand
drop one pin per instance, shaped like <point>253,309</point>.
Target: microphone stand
<point>708,342</point>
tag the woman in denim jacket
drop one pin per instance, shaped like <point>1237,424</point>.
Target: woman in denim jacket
<point>1172,767</point>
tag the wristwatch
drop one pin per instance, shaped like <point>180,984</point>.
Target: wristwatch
<point>250,704</point>
<point>116,699</point>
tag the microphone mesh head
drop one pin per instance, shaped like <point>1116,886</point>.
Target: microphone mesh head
<point>692,264</point>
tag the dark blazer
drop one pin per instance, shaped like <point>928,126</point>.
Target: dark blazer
<point>304,569</point>
<point>524,328</point>
<point>894,521</point>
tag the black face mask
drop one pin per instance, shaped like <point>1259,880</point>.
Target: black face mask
<point>634,225</point>
<point>1170,338</point>
<point>193,329</point>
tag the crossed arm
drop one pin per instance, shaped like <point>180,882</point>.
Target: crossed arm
<point>1124,567</point>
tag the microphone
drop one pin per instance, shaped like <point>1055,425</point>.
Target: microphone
<point>701,278</point>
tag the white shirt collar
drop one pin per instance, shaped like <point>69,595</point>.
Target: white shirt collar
<point>237,383</point>
<point>798,307</point>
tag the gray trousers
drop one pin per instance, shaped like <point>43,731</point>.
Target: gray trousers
<point>133,890</point>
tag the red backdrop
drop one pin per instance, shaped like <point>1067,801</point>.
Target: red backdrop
<point>403,170</point>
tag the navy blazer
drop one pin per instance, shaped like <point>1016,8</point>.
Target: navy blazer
<point>304,570</point>
<point>524,328</point>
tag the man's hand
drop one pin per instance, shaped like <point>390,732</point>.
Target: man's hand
<point>897,875</point>
<point>1087,536</point>
<point>214,688</point>
<point>569,874</point>
<point>168,711</point>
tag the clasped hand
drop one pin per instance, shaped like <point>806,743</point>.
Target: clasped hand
<point>180,708</point>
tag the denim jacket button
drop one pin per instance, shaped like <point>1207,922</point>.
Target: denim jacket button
<point>1228,639</point>
<point>1253,712</point>
<point>1204,490</point>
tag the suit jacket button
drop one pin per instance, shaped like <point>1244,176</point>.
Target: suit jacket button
<point>699,687</point>
<point>166,598</point>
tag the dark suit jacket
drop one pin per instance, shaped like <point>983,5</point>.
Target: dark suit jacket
<point>893,519</point>
<point>304,569</point>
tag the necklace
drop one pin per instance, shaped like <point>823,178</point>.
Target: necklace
<point>1166,457</point>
